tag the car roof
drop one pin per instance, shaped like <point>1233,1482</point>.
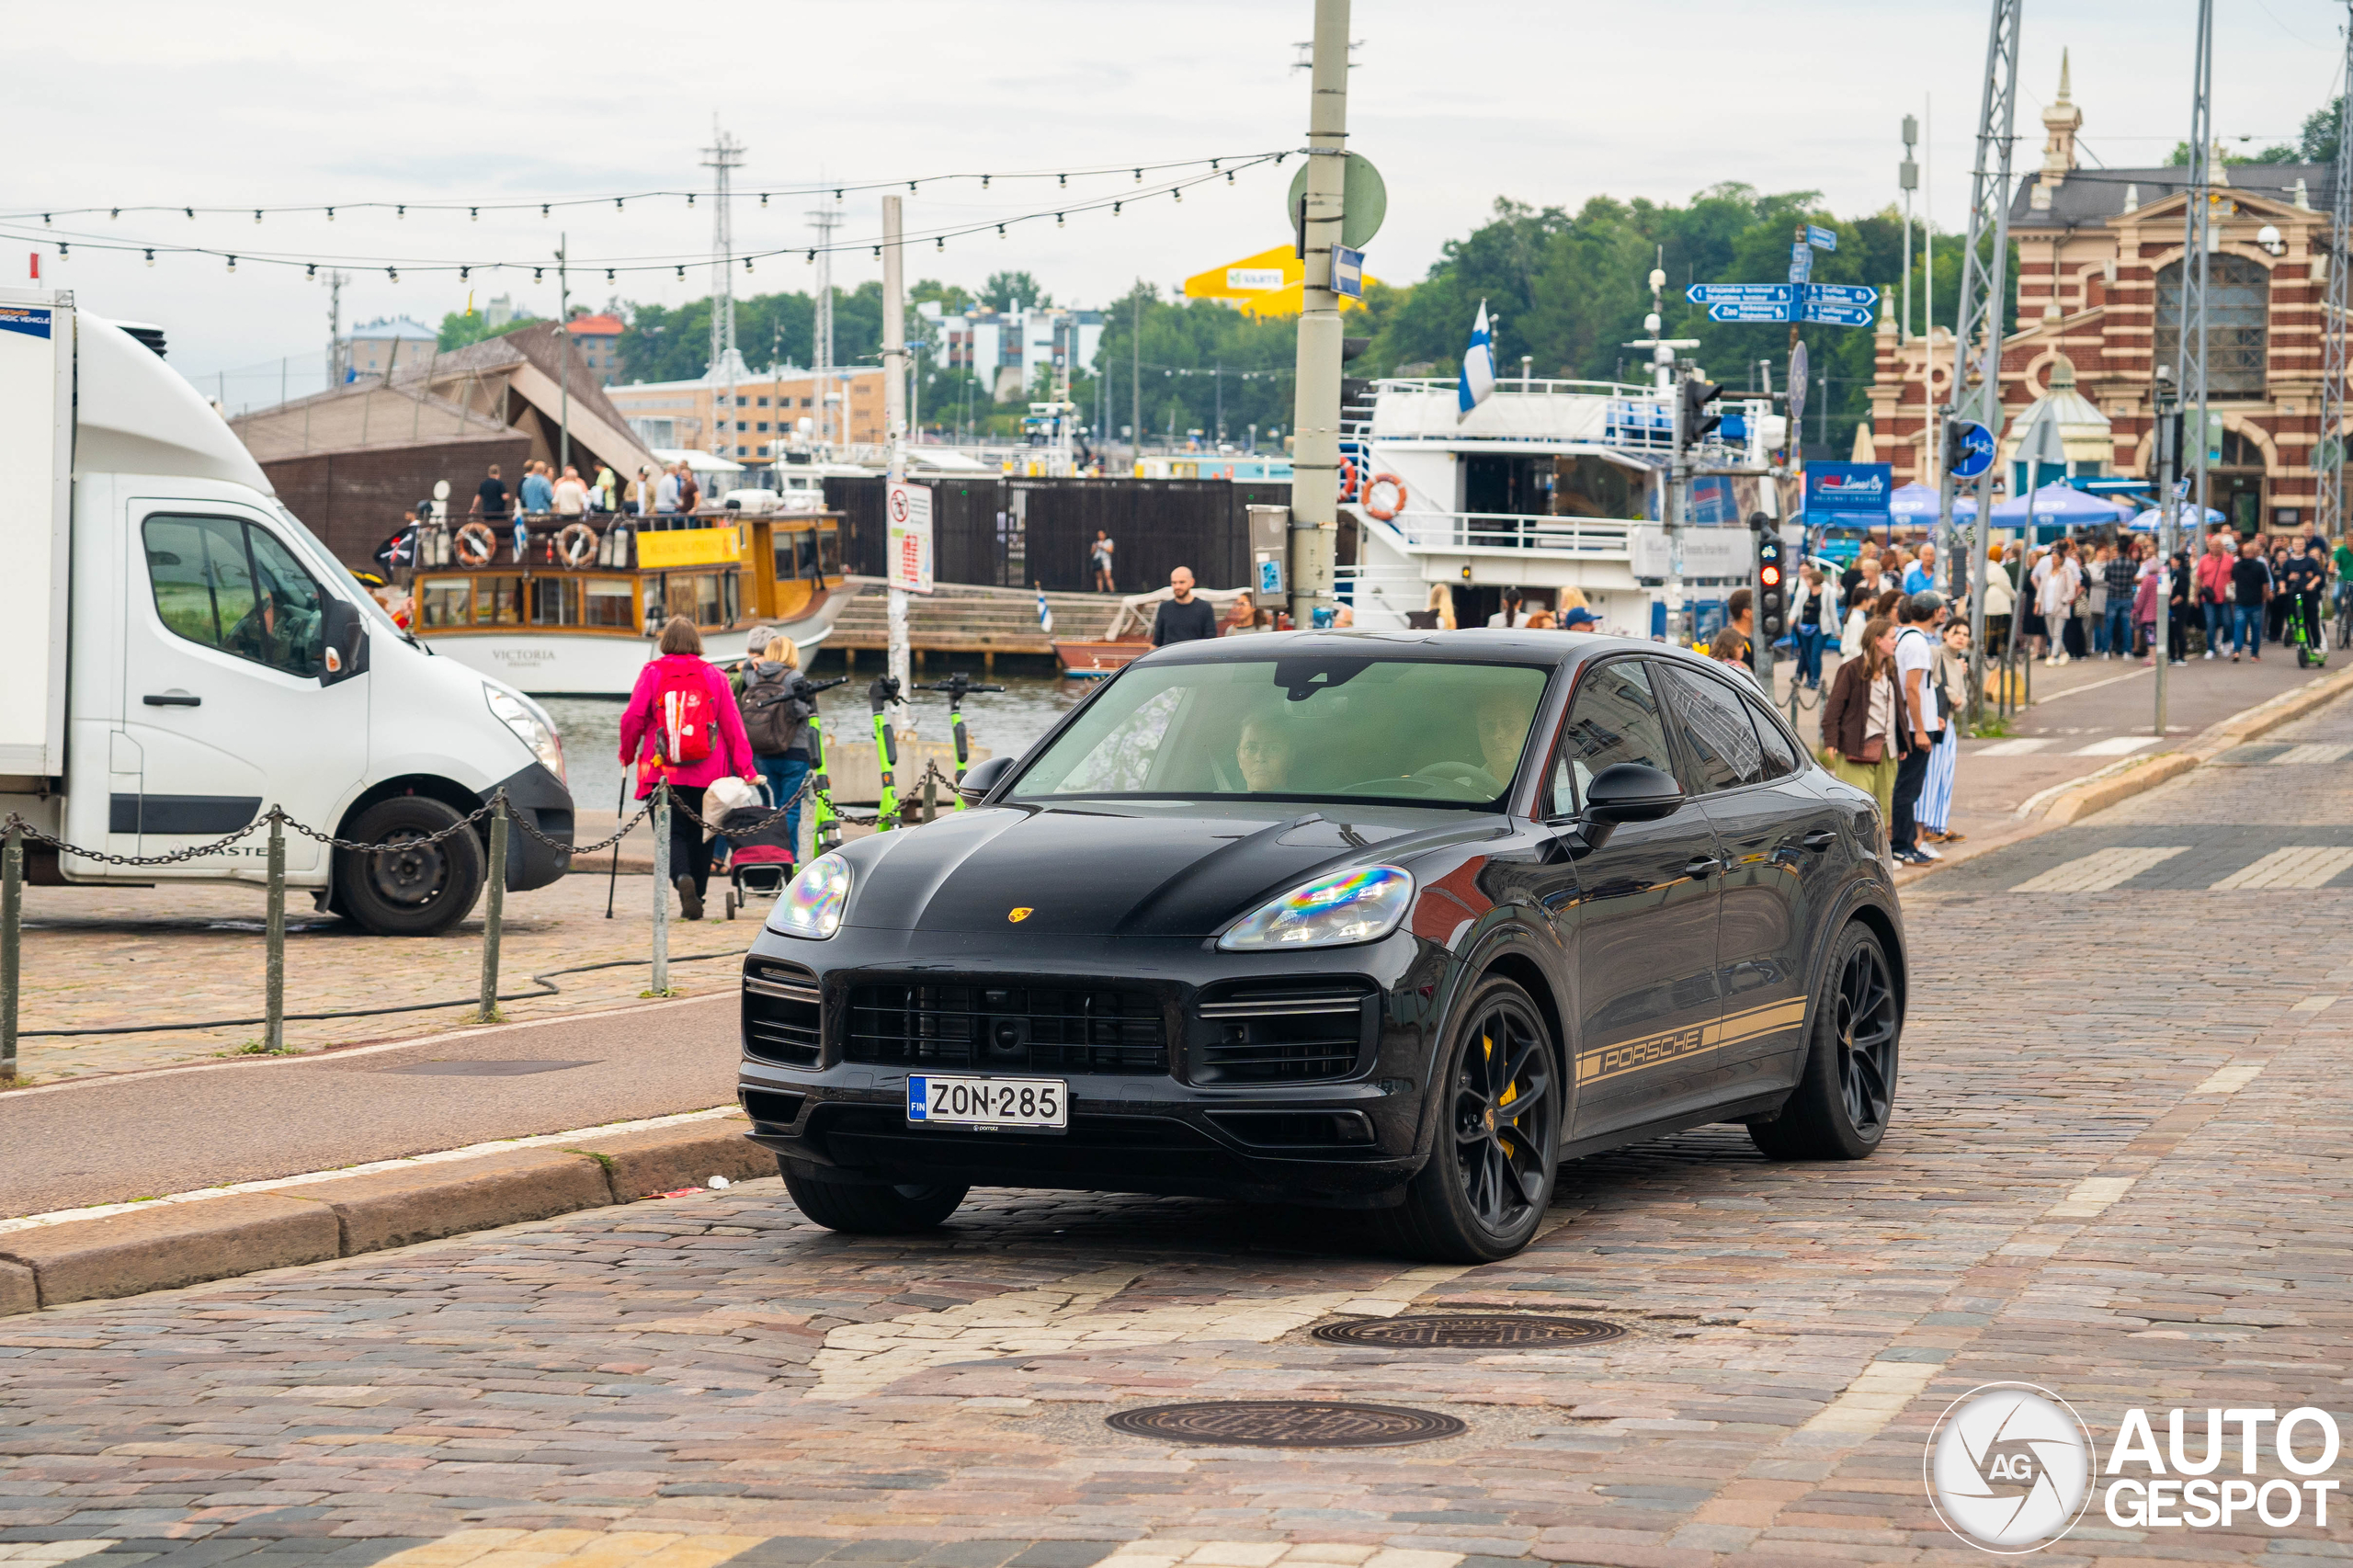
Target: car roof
<point>1485,645</point>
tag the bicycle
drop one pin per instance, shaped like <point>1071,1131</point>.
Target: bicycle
<point>2344,637</point>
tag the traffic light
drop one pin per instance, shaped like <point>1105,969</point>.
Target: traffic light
<point>1772,593</point>
<point>1698,419</point>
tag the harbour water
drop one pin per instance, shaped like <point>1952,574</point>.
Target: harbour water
<point>1001,721</point>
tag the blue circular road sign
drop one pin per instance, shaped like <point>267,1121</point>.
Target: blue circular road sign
<point>1973,449</point>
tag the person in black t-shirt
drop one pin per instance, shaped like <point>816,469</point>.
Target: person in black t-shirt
<point>1185,618</point>
<point>490,496</point>
<point>2301,578</point>
<point>2251,587</point>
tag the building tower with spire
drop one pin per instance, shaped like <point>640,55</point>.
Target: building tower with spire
<point>2060,120</point>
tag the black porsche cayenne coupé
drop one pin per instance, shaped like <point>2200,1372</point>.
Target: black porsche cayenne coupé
<point>1394,922</point>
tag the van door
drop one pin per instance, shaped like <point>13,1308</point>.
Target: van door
<point>232,695</point>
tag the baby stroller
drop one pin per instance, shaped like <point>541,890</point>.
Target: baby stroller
<point>761,863</point>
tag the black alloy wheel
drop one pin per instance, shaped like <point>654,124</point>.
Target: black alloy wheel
<point>1843,1101</point>
<point>1489,1177</point>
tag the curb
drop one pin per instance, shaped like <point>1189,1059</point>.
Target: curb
<point>2104,789</point>
<point>171,1245</point>
<point>2133,776</point>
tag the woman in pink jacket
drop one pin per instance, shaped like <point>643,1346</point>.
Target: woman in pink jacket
<point>681,673</point>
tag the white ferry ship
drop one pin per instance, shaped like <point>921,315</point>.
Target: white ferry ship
<point>1546,486</point>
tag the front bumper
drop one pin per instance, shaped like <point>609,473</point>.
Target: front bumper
<point>1183,1125</point>
<point>540,798</point>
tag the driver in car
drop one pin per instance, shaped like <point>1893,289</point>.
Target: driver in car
<point>1263,756</point>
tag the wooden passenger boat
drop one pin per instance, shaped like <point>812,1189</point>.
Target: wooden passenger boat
<point>578,615</point>
<point>1129,636</point>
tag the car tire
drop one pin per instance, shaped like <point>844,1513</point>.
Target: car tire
<point>1843,1101</point>
<point>419,891</point>
<point>1483,1191</point>
<point>862,1210</point>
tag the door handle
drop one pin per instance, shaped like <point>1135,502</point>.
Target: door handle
<point>172,699</point>
<point>1820,839</point>
<point>1702,865</point>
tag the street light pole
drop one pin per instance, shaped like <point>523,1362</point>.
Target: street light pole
<point>2167,403</point>
<point>894,420</point>
<point>1315,410</point>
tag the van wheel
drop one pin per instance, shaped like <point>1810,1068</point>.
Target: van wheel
<point>1843,1102</point>
<point>414,889</point>
<point>860,1210</point>
<point>1490,1177</point>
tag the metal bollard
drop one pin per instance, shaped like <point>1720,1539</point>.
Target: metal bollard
<point>493,909</point>
<point>931,796</point>
<point>661,986</point>
<point>11,923</point>
<point>274,1028</point>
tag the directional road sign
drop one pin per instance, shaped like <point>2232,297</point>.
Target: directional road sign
<point>1972,450</point>
<point>1738,293</point>
<point>1821,238</point>
<point>1801,262</point>
<point>1827,315</point>
<point>1845,294</point>
<point>1749,310</point>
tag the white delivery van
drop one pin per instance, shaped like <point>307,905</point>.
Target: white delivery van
<point>182,653</point>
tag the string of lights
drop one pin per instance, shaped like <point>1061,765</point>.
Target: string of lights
<point>612,267</point>
<point>474,209</point>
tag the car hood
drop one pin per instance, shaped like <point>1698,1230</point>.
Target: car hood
<point>1104,871</point>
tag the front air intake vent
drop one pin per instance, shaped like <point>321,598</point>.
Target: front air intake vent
<point>784,1014</point>
<point>1277,1033</point>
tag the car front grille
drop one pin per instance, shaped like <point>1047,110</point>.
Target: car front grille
<point>784,1014</point>
<point>1280,1033</point>
<point>1047,1028</point>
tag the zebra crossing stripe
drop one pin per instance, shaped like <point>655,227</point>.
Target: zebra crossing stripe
<point>2298,866</point>
<point>2100,870</point>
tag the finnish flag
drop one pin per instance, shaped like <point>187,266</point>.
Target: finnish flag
<point>1478,381</point>
<point>1045,612</point>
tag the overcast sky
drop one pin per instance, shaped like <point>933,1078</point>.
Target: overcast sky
<point>269,102</point>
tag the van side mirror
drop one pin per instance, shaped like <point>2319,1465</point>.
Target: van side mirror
<point>343,642</point>
<point>982,777</point>
<point>1628,791</point>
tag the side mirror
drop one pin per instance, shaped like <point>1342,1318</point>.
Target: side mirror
<point>343,650</point>
<point>982,777</point>
<point>1628,791</point>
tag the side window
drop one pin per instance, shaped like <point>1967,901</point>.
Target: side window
<point>1713,721</point>
<point>1615,718</point>
<point>1780,756</point>
<point>287,626</point>
<point>231,585</point>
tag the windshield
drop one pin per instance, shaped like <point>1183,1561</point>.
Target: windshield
<point>1302,729</point>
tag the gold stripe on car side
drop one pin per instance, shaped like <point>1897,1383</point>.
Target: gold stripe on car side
<point>1673,1045</point>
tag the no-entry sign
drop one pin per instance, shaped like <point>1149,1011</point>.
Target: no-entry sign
<point>908,510</point>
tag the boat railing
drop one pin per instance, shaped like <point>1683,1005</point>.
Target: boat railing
<point>1504,530</point>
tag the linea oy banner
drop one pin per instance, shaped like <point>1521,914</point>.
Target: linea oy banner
<point>908,508</point>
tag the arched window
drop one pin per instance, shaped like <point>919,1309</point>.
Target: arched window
<point>2238,314</point>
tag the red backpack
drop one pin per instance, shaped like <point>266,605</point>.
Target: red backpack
<point>684,722</point>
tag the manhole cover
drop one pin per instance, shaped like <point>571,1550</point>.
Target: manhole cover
<point>1488,1330</point>
<point>513,1067</point>
<point>1288,1423</point>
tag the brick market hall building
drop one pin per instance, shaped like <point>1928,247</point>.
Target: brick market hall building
<point>2099,292</point>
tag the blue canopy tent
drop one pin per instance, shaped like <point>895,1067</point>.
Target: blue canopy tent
<point>2057,505</point>
<point>2147,523</point>
<point>1918,504</point>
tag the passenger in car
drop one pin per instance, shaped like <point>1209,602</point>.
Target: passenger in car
<point>1263,755</point>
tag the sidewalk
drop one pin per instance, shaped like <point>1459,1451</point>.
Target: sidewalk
<point>100,957</point>
<point>2086,715</point>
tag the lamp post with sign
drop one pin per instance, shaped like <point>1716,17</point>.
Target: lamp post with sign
<point>2168,400</point>
<point>1969,451</point>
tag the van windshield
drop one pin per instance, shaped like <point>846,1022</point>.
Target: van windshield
<point>1298,729</point>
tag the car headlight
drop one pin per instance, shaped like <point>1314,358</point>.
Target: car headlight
<point>813,905</point>
<point>531,727</point>
<point>1362,906</point>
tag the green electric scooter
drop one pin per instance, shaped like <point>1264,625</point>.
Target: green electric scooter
<point>824,825</point>
<point>883,692</point>
<point>959,687</point>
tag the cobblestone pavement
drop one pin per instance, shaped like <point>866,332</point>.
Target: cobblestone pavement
<point>2118,1172</point>
<point>96,958</point>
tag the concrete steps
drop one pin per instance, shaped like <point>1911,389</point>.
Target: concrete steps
<point>961,618</point>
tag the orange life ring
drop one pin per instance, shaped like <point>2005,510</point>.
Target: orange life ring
<point>575,544</point>
<point>476,544</point>
<point>1348,477</point>
<point>1374,507</point>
